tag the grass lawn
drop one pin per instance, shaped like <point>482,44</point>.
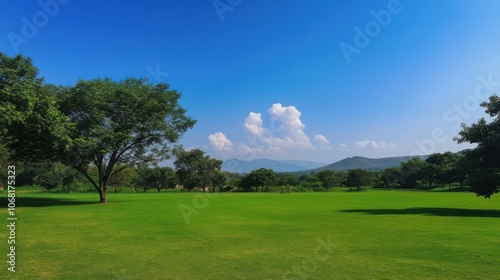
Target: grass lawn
<point>378,234</point>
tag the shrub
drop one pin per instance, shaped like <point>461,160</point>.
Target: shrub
<point>298,189</point>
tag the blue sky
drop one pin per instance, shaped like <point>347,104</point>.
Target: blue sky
<point>312,80</point>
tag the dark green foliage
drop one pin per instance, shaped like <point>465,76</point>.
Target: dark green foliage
<point>286,181</point>
<point>391,178</point>
<point>357,178</point>
<point>309,178</point>
<point>195,169</point>
<point>100,123</point>
<point>484,159</point>
<point>33,128</point>
<point>412,171</point>
<point>261,177</point>
<point>330,178</point>
<point>441,167</point>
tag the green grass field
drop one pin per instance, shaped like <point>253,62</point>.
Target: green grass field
<point>378,234</point>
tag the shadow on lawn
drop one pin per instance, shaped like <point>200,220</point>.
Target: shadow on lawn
<point>47,201</point>
<point>449,212</point>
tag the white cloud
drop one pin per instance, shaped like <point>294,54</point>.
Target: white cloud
<point>253,123</point>
<point>324,144</point>
<point>290,126</point>
<point>343,147</point>
<point>374,144</point>
<point>285,132</point>
<point>220,142</point>
<point>321,139</point>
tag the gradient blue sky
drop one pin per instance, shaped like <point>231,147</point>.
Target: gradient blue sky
<point>402,92</point>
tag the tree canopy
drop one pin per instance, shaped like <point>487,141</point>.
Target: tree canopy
<point>484,160</point>
<point>101,123</point>
<point>195,169</point>
<point>261,177</point>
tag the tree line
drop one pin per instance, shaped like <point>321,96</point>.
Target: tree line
<point>194,170</point>
<point>110,134</point>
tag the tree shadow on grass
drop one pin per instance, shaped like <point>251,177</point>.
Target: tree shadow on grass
<point>429,211</point>
<point>22,201</point>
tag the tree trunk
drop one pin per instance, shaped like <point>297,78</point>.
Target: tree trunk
<point>102,195</point>
<point>158,189</point>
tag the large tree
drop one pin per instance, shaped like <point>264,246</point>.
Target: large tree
<point>261,177</point>
<point>195,169</point>
<point>359,177</point>
<point>414,170</point>
<point>443,166</point>
<point>122,124</point>
<point>32,127</point>
<point>484,159</point>
<point>98,123</point>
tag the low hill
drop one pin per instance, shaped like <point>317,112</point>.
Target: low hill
<point>244,166</point>
<point>367,163</point>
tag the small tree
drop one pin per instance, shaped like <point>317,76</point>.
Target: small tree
<point>326,177</point>
<point>125,178</point>
<point>261,177</point>
<point>414,170</point>
<point>195,169</point>
<point>359,177</point>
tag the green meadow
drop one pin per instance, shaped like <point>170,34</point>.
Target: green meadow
<point>377,234</point>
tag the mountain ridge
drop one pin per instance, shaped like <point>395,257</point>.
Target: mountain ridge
<point>372,164</point>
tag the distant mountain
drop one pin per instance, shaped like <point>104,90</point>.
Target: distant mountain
<point>244,166</point>
<point>302,166</point>
<point>367,163</point>
<point>306,164</point>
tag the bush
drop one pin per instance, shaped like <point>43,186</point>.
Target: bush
<point>83,188</point>
<point>319,189</point>
<point>298,189</point>
<point>227,189</point>
<point>315,186</point>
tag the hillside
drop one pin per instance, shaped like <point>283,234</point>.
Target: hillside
<point>367,163</point>
<point>244,166</point>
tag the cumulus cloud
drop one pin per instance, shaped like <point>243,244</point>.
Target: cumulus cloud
<point>374,144</point>
<point>284,132</point>
<point>253,123</point>
<point>323,143</point>
<point>290,127</point>
<point>220,142</point>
